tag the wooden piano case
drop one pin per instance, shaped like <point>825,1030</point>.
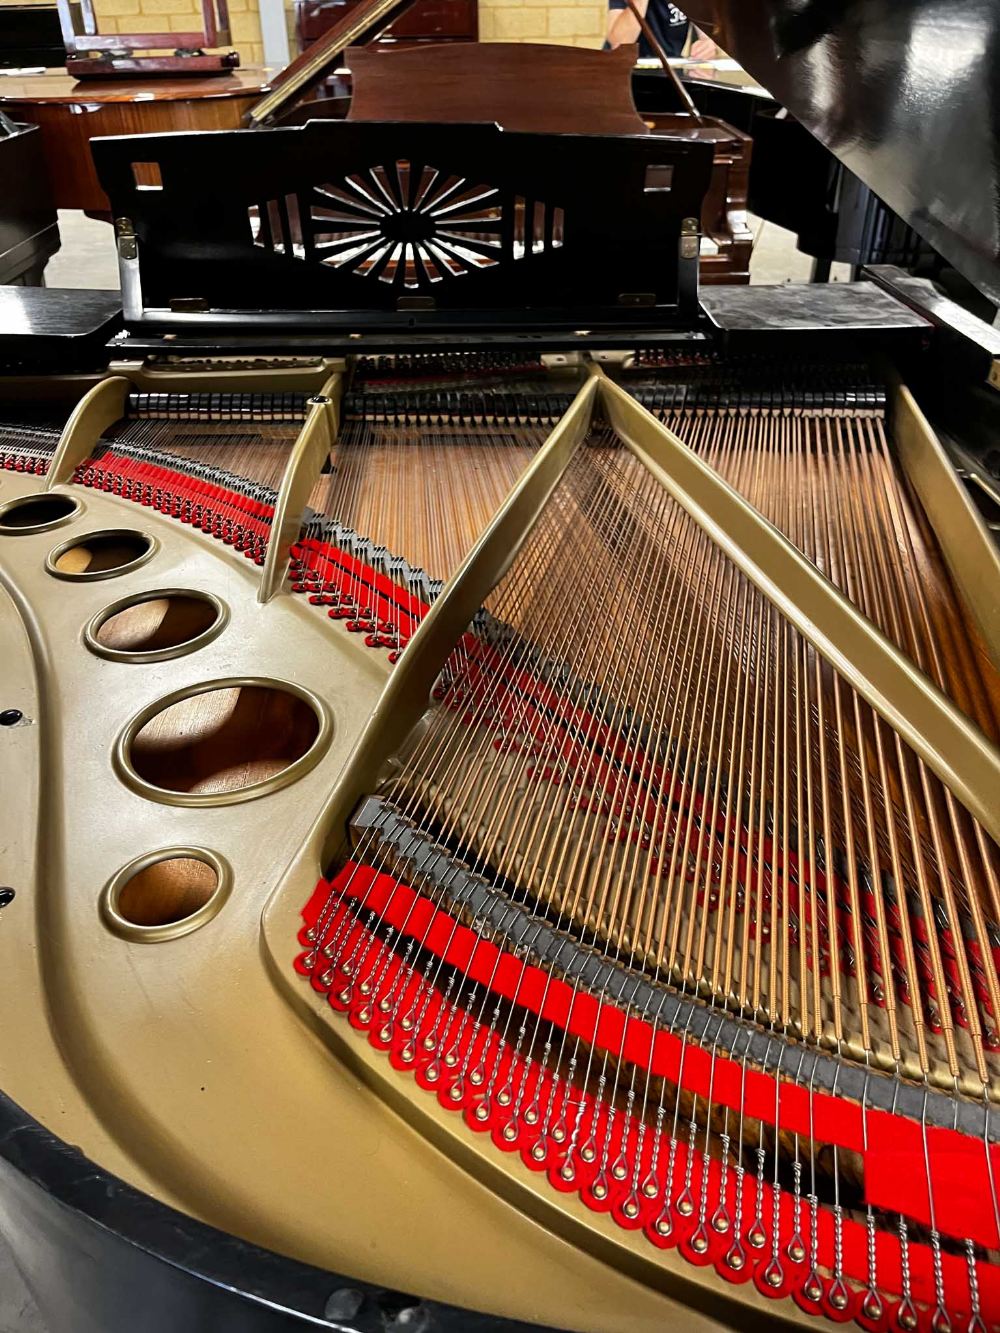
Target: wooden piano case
<point>425,21</point>
<point>724,213</point>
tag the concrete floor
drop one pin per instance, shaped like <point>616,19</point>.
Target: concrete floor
<point>87,259</point>
<point>18,1312</point>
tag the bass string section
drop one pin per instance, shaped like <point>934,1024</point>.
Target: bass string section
<point>211,461</point>
<point>412,480</point>
<point>654,898</point>
<point>27,448</point>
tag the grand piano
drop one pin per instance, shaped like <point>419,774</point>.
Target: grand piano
<point>500,743</point>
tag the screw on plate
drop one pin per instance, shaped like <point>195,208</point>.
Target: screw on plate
<point>6,896</point>
<point>10,717</point>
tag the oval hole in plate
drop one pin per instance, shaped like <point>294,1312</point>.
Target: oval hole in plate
<point>221,742</point>
<point>153,626</point>
<point>167,894</point>
<point>100,555</point>
<point>36,513</point>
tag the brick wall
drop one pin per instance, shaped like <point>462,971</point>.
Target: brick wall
<point>181,15</point>
<point>569,22</point>
<point>566,22</point>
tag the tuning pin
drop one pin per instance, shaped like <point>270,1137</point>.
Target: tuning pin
<point>620,1168</point>
<point>685,1203</point>
<point>721,1220</point>
<point>941,1322</point>
<point>651,1185</point>
<point>533,1113</point>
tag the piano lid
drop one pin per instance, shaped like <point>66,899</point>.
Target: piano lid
<point>363,23</point>
<point>904,92</point>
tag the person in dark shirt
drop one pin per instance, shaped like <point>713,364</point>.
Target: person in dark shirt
<point>670,25</point>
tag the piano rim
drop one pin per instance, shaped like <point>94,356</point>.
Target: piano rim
<point>73,1216</point>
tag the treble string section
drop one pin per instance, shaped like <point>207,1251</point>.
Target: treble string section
<point>921,876</point>
<point>442,752</point>
<point>649,863</point>
<point>27,448</point>
<point>499,677</point>
<point>685,858</point>
<point>203,473</point>
<point>547,842</point>
<point>610,801</point>
<point>508,1127</point>
<point>434,754</point>
<point>664,604</point>
<point>525,730</point>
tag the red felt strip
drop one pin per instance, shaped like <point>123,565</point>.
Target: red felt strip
<point>895,1173</point>
<point>387,974</point>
